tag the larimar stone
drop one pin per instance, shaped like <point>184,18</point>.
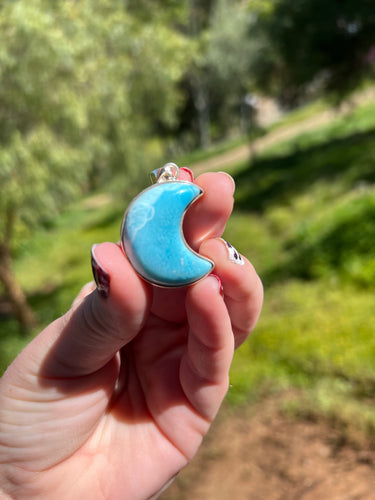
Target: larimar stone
<point>152,235</point>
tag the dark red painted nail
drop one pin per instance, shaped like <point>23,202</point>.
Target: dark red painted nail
<point>188,171</point>
<point>220,283</point>
<point>101,276</point>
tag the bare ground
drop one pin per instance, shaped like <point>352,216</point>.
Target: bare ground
<point>262,454</point>
<point>229,160</point>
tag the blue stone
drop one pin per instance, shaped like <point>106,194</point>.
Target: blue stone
<point>152,235</point>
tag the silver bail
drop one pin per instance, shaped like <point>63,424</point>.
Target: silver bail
<point>169,172</point>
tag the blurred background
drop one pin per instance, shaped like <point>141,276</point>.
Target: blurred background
<point>94,94</point>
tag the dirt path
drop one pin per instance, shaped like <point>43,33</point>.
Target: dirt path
<point>227,161</point>
<point>265,455</point>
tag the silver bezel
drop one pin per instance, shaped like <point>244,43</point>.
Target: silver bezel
<point>154,186</point>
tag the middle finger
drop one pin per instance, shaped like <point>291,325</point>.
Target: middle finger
<point>204,219</point>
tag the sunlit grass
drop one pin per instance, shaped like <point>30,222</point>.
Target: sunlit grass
<point>305,218</point>
<point>319,338</point>
<point>216,149</point>
<point>301,114</point>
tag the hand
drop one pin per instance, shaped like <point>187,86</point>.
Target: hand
<point>111,400</point>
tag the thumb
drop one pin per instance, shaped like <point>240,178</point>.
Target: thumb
<point>89,335</point>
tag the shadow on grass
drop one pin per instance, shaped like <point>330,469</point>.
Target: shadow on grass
<point>347,247</point>
<point>342,243</point>
<point>108,218</point>
<point>276,179</point>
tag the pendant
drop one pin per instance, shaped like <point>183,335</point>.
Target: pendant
<point>152,235</point>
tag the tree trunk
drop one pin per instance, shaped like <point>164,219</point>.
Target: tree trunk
<point>21,308</point>
<point>199,17</point>
<point>201,104</point>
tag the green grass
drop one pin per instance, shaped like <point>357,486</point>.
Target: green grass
<point>216,149</point>
<point>300,340</point>
<point>54,265</point>
<point>290,118</point>
<point>315,194</point>
<point>305,216</point>
<point>300,114</point>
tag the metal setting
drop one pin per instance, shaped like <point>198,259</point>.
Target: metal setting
<point>152,235</point>
<point>169,172</point>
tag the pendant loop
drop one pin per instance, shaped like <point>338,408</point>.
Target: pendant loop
<point>169,172</point>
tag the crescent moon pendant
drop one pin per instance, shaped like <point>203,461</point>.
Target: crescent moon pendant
<point>153,240</point>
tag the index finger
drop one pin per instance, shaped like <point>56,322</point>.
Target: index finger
<point>204,219</point>
<point>208,216</point>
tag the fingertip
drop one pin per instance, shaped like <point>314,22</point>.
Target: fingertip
<point>219,284</point>
<point>220,181</point>
<point>208,216</point>
<point>115,277</point>
<point>213,284</point>
<point>106,252</point>
<point>231,266</point>
<point>231,180</point>
<point>210,285</point>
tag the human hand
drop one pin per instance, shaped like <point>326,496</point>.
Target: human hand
<point>111,400</point>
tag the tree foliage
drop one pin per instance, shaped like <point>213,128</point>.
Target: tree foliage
<point>218,75</point>
<point>96,90</point>
<point>329,45</point>
<point>83,88</point>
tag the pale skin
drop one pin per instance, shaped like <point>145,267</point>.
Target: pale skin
<point>113,399</point>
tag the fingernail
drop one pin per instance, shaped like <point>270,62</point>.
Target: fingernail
<point>221,289</point>
<point>189,172</point>
<point>101,276</point>
<point>231,178</point>
<point>233,255</point>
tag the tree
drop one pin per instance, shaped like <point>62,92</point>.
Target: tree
<point>229,51</point>
<point>83,88</point>
<point>40,119</point>
<point>309,44</point>
<point>218,75</point>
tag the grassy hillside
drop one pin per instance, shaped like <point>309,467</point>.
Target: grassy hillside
<point>305,216</point>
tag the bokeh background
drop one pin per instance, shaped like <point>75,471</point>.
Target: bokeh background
<point>94,94</point>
